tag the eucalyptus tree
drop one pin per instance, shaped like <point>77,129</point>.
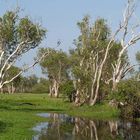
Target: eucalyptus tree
<point>128,35</point>
<point>56,66</point>
<point>91,56</point>
<point>102,55</point>
<point>27,84</point>
<point>17,36</point>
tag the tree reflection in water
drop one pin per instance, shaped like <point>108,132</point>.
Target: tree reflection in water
<point>64,127</point>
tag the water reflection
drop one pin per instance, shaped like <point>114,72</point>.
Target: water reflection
<point>64,127</point>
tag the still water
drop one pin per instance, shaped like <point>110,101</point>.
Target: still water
<point>64,127</point>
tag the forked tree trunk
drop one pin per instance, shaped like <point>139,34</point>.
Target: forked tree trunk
<point>113,127</point>
<point>120,68</point>
<point>99,74</point>
<point>54,89</point>
<point>93,125</point>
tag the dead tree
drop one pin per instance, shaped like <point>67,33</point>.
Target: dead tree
<point>129,37</point>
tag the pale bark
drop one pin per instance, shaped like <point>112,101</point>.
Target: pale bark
<point>3,72</point>
<point>100,68</point>
<point>96,65</point>
<point>55,83</point>
<point>56,89</point>
<point>113,127</point>
<point>120,69</point>
<point>92,124</point>
<point>94,78</point>
<point>51,91</point>
<point>77,99</point>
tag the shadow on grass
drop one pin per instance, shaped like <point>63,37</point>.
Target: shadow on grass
<point>37,110</point>
<point>4,126</point>
<point>29,108</point>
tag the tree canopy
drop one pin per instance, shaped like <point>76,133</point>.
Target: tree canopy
<point>18,35</point>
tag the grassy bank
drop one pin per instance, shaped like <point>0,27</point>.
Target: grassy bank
<point>18,113</point>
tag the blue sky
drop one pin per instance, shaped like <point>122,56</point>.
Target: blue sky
<point>59,17</point>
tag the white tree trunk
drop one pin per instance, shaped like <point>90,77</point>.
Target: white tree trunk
<point>120,69</point>
<point>56,89</point>
<point>51,91</point>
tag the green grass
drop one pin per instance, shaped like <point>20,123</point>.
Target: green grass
<point>17,118</point>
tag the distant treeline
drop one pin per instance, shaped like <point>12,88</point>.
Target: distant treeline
<point>30,84</point>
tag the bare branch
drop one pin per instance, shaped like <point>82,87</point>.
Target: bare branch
<point>25,69</point>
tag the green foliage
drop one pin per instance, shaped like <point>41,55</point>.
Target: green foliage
<point>27,83</point>
<point>41,87</point>
<point>11,73</point>
<point>29,31</point>
<point>18,35</point>
<point>15,83</point>
<point>67,88</point>
<point>14,30</point>
<point>54,64</point>
<point>128,93</point>
<point>101,26</point>
<point>8,27</point>
<point>126,90</point>
<point>18,120</point>
<point>88,56</point>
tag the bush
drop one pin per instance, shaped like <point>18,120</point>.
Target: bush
<point>67,88</point>
<point>128,93</point>
<point>40,88</point>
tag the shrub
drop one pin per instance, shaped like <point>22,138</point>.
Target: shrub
<point>67,88</point>
<point>40,88</point>
<point>128,93</point>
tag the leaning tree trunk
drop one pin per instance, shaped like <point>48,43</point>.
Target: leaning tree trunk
<point>93,125</point>
<point>130,36</point>
<point>99,74</point>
